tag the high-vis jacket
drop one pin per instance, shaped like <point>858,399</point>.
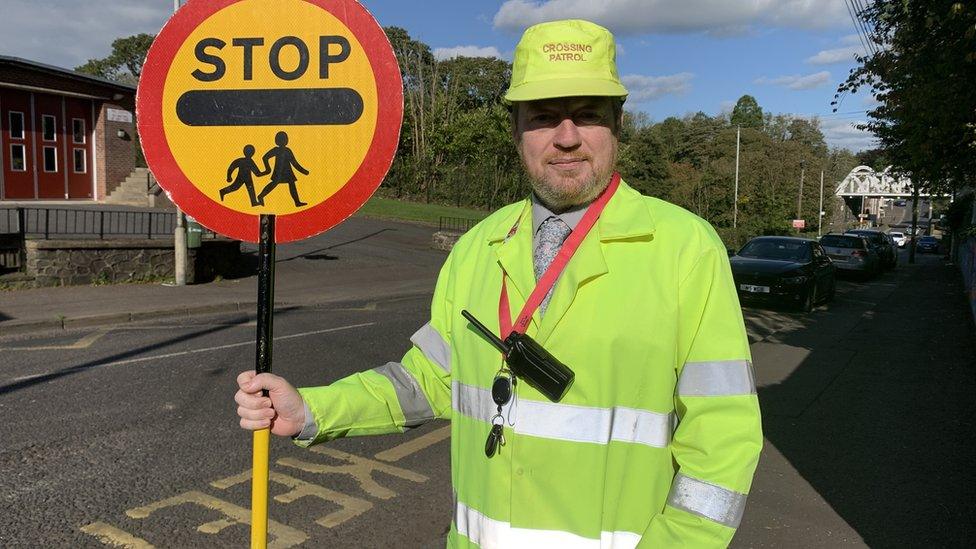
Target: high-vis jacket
<point>655,443</point>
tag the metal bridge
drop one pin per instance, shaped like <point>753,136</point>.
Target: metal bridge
<point>865,182</point>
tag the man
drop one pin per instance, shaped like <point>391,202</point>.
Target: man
<point>655,442</point>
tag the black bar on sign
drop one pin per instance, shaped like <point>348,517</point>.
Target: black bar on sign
<point>290,107</point>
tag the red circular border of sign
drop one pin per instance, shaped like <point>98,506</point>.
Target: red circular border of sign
<point>290,227</point>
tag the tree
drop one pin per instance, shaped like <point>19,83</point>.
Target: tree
<point>479,81</point>
<point>124,64</point>
<point>876,159</point>
<point>747,113</point>
<point>643,163</point>
<point>921,72</point>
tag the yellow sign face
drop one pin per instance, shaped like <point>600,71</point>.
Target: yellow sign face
<point>269,107</point>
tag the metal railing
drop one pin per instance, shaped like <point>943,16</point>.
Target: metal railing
<point>45,223</point>
<point>456,224</point>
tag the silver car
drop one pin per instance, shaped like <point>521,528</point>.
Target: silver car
<point>852,253</point>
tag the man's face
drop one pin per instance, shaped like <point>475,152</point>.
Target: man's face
<point>568,147</point>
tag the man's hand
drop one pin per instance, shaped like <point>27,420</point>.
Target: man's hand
<point>283,409</point>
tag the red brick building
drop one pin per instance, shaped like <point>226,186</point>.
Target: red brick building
<point>63,135</point>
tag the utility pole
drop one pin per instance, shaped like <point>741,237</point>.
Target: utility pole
<point>179,233</point>
<point>820,212</point>
<point>799,198</point>
<point>735,210</point>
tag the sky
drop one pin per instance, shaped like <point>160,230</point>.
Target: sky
<point>676,57</point>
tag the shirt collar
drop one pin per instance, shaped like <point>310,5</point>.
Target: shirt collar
<point>541,213</point>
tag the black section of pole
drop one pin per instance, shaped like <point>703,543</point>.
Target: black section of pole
<point>266,277</point>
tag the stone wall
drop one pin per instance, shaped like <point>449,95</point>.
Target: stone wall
<point>73,262</point>
<point>444,240</point>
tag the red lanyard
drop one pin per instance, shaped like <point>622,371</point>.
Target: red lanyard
<point>548,279</point>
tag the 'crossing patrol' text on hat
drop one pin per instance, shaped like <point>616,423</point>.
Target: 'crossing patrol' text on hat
<point>565,59</point>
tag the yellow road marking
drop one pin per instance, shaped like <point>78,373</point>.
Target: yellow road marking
<point>359,468</point>
<point>415,445</point>
<point>350,506</point>
<point>284,536</point>
<point>110,535</point>
<point>82,343</point>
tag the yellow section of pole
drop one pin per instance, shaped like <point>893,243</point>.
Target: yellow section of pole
<point>259,489</point>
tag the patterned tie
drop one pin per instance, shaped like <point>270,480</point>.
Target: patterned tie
<point>552,233</point>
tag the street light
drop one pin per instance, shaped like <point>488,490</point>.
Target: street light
<point>799,198</point>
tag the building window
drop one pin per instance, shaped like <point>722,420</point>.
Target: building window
<point>49,127</point>
<point>78,134</point>
<point>50,159</point>
<point>80,159</point>
<point>16,125</point>
<point>18,158</point>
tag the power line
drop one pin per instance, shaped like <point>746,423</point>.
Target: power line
<point>868,33</point>
<point>857,29</point>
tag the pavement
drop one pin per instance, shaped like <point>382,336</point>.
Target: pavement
<point>350,262</point>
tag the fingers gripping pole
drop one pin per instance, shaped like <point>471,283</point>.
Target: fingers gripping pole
<point>265,333</point>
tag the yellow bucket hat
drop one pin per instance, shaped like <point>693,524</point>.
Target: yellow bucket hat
<point>566,58</point>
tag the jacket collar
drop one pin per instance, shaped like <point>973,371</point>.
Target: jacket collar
<point>626,217</point>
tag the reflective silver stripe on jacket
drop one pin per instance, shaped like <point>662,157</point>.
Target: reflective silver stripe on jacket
<point>707,500</point>
<point>719,378</point>
<point>490,533</point>
<point>430,342</point>
<point>416,409</point>
<point>567,421</point>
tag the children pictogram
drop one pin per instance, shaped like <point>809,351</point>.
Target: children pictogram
<point>245,167</point>
<point>284,161</point>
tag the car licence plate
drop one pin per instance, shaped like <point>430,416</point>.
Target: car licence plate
<point>754,289</point>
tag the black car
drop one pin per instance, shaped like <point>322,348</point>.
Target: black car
<point>792,271</point>
<point>927,244</point>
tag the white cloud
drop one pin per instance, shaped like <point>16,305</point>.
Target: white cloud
<point>849,46</point>
<point>836,55</point>
<point>466,51</point>
<point>843,134</point>
<point>648,88</point>
<point>717,17</point>
<point>798,82</point>
<point>66,33</point>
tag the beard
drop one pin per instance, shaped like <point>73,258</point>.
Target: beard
<point>560,197</point>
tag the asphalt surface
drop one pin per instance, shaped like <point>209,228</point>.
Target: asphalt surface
<point>126,435</point>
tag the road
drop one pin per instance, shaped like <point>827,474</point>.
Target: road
<point>127,436</point>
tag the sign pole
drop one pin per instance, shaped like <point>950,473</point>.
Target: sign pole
<point>265,340</point>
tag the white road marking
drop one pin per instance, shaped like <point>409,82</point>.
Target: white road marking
<point>208,349</point>
<point>82,343</point>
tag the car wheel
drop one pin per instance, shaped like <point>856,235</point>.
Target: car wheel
<point>809,299</point>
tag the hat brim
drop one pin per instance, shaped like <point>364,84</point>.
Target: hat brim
<point>565,87</point>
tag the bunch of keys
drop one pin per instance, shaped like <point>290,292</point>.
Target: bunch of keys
<point>501,393</point>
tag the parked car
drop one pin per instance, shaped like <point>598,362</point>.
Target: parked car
<point>900,203</point>
<point>792,271</point>
<point>899,238</point>
<point>927,244</point>
<point>852,253</point>
<point>884,246</point>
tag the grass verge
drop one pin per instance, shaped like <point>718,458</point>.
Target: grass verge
<point>388,208</point>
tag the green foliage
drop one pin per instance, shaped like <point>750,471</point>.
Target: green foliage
<point>747,113</point>
<point>124,64</point>
<point>922,74</point>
